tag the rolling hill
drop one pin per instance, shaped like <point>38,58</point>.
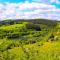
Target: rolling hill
<point>34,39</point>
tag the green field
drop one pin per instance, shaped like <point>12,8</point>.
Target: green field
<point>37,39</point>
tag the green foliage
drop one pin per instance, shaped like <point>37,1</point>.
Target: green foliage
<point>29,40</point>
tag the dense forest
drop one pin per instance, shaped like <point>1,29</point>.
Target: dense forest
<point>33,39</point>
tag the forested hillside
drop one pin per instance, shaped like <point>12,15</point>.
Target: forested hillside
<point>35,39</point>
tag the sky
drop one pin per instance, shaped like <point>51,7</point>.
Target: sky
<point>30,9</point>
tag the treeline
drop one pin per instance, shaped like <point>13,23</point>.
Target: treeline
<point>35,21</point>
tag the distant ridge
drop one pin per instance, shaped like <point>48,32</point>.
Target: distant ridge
<point>36,21</point>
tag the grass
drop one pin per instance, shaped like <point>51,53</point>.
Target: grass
<point>47,51</point>
<point>35,44</point>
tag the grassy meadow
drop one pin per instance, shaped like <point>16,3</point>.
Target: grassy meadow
<point>37,39</point>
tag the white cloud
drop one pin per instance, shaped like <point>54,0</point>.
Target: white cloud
<point>28,11</point>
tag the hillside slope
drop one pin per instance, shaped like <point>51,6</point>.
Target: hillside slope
<point>29,40</point>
